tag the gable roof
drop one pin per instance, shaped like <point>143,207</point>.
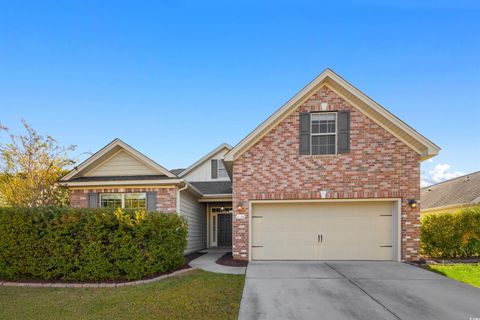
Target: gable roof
<point>204,158</point>
<point>459,191</point>
<point>104,155</point>
<point>362,102</point>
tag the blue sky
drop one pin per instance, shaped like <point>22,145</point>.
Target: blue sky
<point>176,79</point>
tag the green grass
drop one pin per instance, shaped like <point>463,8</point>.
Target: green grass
<point>195,295</point>
<point>468,273</point>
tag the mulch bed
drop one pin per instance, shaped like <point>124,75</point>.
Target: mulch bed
<point>453,261</point>
<point>188,258</point>
<point>227,260</point>
<point>426,262</point>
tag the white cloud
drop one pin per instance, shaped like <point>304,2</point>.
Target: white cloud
<point>438,174</point>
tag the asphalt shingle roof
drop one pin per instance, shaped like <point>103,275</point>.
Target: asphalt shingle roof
<point>177,171</point>
<point>214,187</point>
<point>465,189</point>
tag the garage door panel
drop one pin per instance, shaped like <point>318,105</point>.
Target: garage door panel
<point>260,237</point>
<point>350,231</point>
<point>278,253</point>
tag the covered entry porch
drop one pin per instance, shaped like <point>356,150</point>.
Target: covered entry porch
<point>219,225</point>
<point>217,198</point>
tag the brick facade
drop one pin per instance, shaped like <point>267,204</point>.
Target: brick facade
<point>378,166</point>
<point>166,197</point>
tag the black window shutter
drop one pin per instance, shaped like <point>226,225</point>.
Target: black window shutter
<point>93,200</point>
<point>151,201</point>
<point>214,169</point>
<point>304,133</point>
<point>343,132</point>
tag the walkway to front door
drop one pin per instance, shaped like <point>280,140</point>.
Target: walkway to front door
<point>208,262</point>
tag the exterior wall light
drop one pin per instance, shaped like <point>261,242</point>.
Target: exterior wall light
<point>413,203</point>
<point>240,208</point>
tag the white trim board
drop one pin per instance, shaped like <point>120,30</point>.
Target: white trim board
<point>129,183</point>
<point>210,216</point>
<point>215,199</point>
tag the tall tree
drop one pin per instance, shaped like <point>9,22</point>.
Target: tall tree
<point>30,165</point>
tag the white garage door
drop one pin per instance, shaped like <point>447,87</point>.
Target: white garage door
<point>323,231</point>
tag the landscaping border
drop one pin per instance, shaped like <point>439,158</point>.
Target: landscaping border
<point>92,284</point>
<point>227,260</point>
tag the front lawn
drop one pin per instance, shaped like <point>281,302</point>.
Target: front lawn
<point>195,295</point>
<point>468,273</point>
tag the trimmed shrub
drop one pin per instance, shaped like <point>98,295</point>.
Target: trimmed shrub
<point>88,244</point>
<point>451,234</point>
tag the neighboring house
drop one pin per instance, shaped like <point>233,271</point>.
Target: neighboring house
<point>450,195</point>
<point>331,175</point>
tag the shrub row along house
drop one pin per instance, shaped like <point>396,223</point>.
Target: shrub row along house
<point>329,175</point>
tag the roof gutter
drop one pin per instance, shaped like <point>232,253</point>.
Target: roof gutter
<point>185,187</point>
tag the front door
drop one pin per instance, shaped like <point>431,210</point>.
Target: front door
<point>224,231</point>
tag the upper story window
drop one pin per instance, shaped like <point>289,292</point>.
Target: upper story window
<point>323,133</point>
<point>123,200</point>
<point>218,170</point>
<point>222,172</point>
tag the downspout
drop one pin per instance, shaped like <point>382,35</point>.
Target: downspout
<point>178,197</point>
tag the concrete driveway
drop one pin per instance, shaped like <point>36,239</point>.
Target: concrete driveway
<point>353,290</point>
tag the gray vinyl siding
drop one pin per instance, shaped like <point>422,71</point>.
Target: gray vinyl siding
<point>195,214</point>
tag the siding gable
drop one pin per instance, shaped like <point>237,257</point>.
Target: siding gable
<point>116,158</point>
<point>203,172</point>
<point>121,164</point>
